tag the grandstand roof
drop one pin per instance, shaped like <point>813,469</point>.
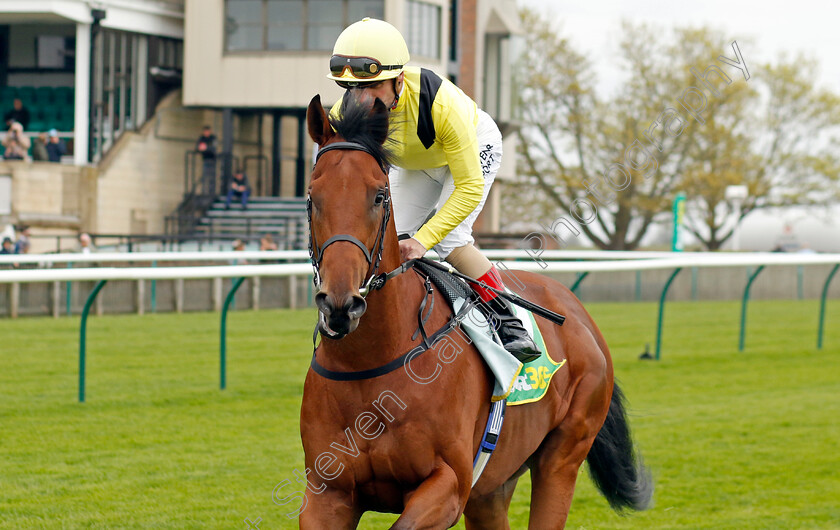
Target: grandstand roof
<point>152,17</point>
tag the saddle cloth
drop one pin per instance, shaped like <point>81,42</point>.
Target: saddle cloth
<point>532,380</point>
<point>514,382</point>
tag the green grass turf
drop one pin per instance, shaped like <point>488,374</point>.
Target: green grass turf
<point>734,440</point>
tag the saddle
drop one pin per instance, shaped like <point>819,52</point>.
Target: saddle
<point>449,285</point>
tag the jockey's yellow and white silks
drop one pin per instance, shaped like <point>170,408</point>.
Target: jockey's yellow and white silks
<point>447,153</point>
<point>417,193</point>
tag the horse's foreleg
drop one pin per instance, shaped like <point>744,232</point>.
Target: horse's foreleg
<point>330,509</point>
<point>436,503</point>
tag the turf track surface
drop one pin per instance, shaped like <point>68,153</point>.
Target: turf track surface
<point>735,440</point>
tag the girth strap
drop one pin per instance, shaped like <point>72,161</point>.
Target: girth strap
<point>492,430</point>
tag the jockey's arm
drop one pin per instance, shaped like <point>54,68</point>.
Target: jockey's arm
<point>455,128</point>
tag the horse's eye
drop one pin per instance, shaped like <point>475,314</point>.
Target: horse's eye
<point>380,198</point>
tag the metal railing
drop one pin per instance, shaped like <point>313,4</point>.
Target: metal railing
<point>200,190</point>
<point>202,187</point>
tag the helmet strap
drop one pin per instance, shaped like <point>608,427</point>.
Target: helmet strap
<point>396,95</point>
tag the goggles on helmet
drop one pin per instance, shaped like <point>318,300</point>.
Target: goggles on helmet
<point>360,67</point>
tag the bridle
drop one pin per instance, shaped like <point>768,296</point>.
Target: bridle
<point>373,281</point>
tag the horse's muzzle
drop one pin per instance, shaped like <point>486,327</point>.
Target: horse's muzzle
<point>339,317</point>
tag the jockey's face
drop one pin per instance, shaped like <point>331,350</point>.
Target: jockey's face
<point>386,90</point>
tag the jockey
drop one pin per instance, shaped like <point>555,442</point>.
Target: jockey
<point>447,152</point>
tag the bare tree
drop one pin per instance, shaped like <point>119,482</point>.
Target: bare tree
<point>686,119</point>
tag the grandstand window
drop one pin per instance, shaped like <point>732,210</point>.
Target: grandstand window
<point>292,25</point>
<point>422,21</point>
<point>324,23</point>
<point>285,25</point>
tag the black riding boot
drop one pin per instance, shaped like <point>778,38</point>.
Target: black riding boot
<point>510,329</point>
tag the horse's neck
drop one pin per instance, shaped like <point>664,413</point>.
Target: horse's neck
<point>385,330</point>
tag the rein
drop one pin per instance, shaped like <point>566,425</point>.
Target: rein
<point>428,342</point>
<point>373,282</point>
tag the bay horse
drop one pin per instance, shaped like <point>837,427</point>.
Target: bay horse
<point>378,439</point>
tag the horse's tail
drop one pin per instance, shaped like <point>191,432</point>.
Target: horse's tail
<point>614,465</point>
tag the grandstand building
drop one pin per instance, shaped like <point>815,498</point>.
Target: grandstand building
<point>130,83</point>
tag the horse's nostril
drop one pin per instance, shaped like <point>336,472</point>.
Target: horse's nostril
<point>353,307</point>
<point>324,303</point>
<point>356,306</point>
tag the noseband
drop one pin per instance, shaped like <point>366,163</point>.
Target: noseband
<point>369,283</point>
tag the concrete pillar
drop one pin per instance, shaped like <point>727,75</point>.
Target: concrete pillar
<point>276,153</point>
<point>293,291</point>
<point>141,296</point>
<point>227,146</point>
<point>217,294</point>
<point>82,108</point>
<point>141,78</point>
<point>14,299</point>
<point>302,167</point>
<point>98,305</point>
<point>56,299</point>
<point>255,292</point>
<point>179,295</point>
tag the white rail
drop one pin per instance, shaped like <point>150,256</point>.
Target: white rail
<point>303,269</point>
<point>527,255</point>
<point>627,262</point>
<point>153,273</point>
<point>141,257</point>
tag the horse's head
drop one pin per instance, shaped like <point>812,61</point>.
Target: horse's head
<point>349,203</point>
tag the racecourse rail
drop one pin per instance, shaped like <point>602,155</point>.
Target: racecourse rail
<point>526,260</point>
<point>303,255</point>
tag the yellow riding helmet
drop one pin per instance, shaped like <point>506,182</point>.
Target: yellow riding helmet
<point>367,51</point>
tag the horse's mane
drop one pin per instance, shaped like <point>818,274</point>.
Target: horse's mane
<point>359,123</point>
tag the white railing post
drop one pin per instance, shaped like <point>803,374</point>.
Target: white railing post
<point>141,296</point>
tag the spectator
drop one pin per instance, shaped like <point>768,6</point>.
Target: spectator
<point>85,244</point>
<point>238,186</point>
<point>7,246</point>
<point>16,143</point>
<point>23,243</point>
<point>18,114</point>
<point>267,243</point>
<point>39,148</point>
<point>238,246</point>
<point>55,147</point>
<point>206,145</point>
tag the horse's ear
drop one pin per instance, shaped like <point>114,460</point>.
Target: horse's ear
<point>380,115</point>
<point>320,129</point>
